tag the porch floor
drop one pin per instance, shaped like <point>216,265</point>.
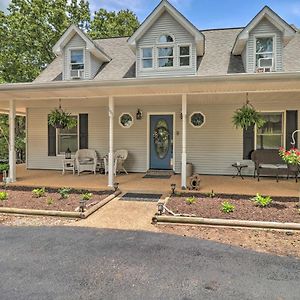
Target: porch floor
<point>136,182</point>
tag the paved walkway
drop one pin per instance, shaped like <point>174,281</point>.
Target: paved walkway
<point>126,215</point>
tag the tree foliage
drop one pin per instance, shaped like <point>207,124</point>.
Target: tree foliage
<point>113,24</point>
<point>32,27</point>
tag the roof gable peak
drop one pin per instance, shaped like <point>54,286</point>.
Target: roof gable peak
<point>287,30</point>
<point>90,45</point>
<point>165,6</point>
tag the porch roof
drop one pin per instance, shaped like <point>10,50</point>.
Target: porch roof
<point>260,86</point>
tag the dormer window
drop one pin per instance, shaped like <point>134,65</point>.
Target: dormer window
<point>166,38</point>
<point>147,58</point>
<point>77,63</point>
<point>165,57</point>
<point>264,54</point>
<point>184,56</point>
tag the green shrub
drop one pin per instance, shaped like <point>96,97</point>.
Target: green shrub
<point>261,201</point>
<point>3,196</point>
<point>39,192</point>
<point>4,167</point>
<point>86,196</point>
<point>227,207</point>
<point>64,192</point>
<point>190,200</point>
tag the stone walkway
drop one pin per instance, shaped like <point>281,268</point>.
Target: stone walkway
<point>125,215</point>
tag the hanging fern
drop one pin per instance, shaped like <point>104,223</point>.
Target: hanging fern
<point>247,116</point>
<point>61,119</point>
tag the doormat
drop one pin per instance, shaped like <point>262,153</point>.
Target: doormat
<point>141,197</point>
<point>157,176</point>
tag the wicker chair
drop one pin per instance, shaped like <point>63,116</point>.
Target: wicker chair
<point>86,160</point>
<point>120,157</point>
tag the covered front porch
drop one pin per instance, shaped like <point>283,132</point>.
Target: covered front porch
<point>212,149</point>
<point>134,182</point>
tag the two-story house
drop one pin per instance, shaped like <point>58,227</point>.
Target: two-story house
<point>167,94</point>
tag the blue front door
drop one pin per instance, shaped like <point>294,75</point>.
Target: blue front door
<point>161,142</point>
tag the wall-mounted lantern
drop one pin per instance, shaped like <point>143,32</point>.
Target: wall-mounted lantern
<point>139,114</point>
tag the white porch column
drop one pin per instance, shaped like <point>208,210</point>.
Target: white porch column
<point>12,151</point>
<point>111,111</point>
<point>183,154</point>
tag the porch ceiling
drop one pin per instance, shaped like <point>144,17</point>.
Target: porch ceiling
<point>263,87</point>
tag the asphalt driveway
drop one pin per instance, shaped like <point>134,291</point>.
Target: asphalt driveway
<point>80,263</point>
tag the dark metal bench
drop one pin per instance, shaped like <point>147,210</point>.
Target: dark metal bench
<point>269,162</point>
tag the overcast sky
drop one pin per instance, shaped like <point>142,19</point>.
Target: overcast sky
<point>205,13</point>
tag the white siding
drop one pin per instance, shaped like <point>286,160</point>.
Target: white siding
<point>38,136</point>
<point>211,149</point>
<point>166,24</point>
<point>265,28</point>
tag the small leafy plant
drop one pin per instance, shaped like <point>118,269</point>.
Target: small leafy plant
<point>86,196</point>
<point>39,192</point>
<point>190,200</point>
<point>3,196</point>
<point>50,201</point>
<point>262,201</point>
<point>211,194</point>
<point>64,192</point>
<point>227,207</point>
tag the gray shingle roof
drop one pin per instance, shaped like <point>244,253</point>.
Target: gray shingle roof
<point>217,59</point>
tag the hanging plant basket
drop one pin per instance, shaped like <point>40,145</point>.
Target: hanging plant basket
<point>58,118</point>
<point>247,116</point>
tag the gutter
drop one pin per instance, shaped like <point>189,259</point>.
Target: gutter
<point>134,82</point>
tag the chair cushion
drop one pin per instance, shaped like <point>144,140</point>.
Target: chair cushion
<point>86,161</point>
<point>273,166</point>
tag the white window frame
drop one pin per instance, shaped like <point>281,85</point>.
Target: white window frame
<point>197,112</point>
<point>142,57</point>
<point>126,113</point>
<point>182,56</point>
<point>70,56</point>
<point>168,45</point>
<point>283,112</point>
<point>257,36</point>
<point>58,134</point>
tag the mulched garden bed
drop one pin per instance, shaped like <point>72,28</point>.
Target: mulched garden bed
<point>280,210</point>
<point>22,197</point>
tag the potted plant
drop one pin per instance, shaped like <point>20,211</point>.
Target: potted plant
<point>247,116</point>
<point>3,168</point>
<point>291,158</point>
<point>58,118</point>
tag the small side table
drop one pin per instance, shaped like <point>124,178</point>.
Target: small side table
<point>239,168</point>
<point>68,165</point>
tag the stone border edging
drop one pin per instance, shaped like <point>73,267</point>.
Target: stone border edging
<point>225,222</point>
<point>55,213</point>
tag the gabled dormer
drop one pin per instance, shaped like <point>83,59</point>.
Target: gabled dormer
<point>166,44</point>
<point>261,43</point>
<point>82,58</point>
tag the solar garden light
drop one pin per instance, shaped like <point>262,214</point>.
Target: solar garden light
<point>116,186</point>
<point>82,205</point>
<point>160,208</point>
<point>173,188</point>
